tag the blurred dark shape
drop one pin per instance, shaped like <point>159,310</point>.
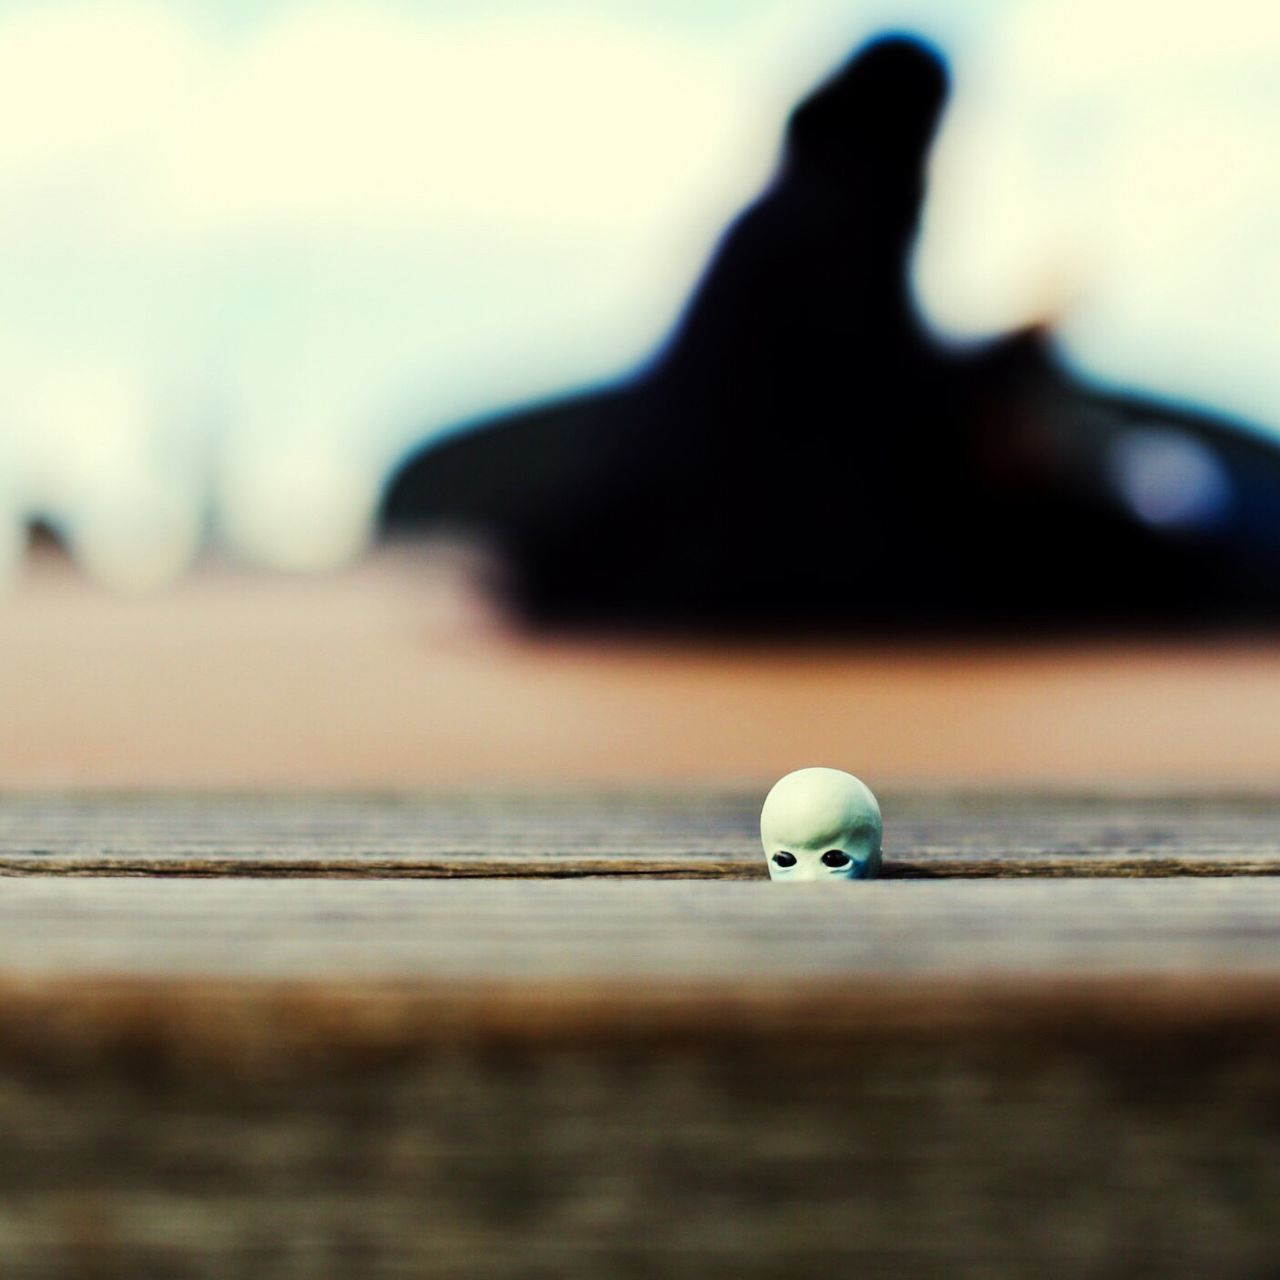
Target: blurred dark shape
<point>802,455</point>
<point>44,539</point>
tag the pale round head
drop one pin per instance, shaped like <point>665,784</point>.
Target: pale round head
<point>821,825</point>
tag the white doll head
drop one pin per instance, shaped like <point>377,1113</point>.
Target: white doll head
<point>821,824</point>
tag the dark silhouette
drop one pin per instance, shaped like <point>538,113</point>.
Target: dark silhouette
<point>802,454</point>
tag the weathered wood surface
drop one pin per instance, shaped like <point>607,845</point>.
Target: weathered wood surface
<point>521,1075</point>
<point>268,1079</point>
<point>638,932</point>
<point>166,1146</point>
<point>651,835</point>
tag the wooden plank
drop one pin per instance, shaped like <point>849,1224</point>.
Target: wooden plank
<point>639,931</point>
<point>580,1070</point>
<point>656,835</point>
<point>148,1153</point>
<point>366,1080</point>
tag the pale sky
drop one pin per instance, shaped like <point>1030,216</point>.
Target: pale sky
<point>251,251</point>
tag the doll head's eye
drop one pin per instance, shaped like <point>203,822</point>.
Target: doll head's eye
<point>785,859</point>
<point>835,858</point>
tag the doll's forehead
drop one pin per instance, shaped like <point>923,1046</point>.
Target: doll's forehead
<point>817,831</point>
<point>818,809</point>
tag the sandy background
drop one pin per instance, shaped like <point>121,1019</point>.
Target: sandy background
<point>395,674</point>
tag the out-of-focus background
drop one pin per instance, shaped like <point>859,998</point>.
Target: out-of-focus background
<point>254,254</point>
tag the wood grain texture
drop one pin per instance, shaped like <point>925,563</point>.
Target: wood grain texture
<point>362,1065</point>
<point>638,931</point>
<point>649,834</point>
<point>947,1155</point>
<point>278,1080</point>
